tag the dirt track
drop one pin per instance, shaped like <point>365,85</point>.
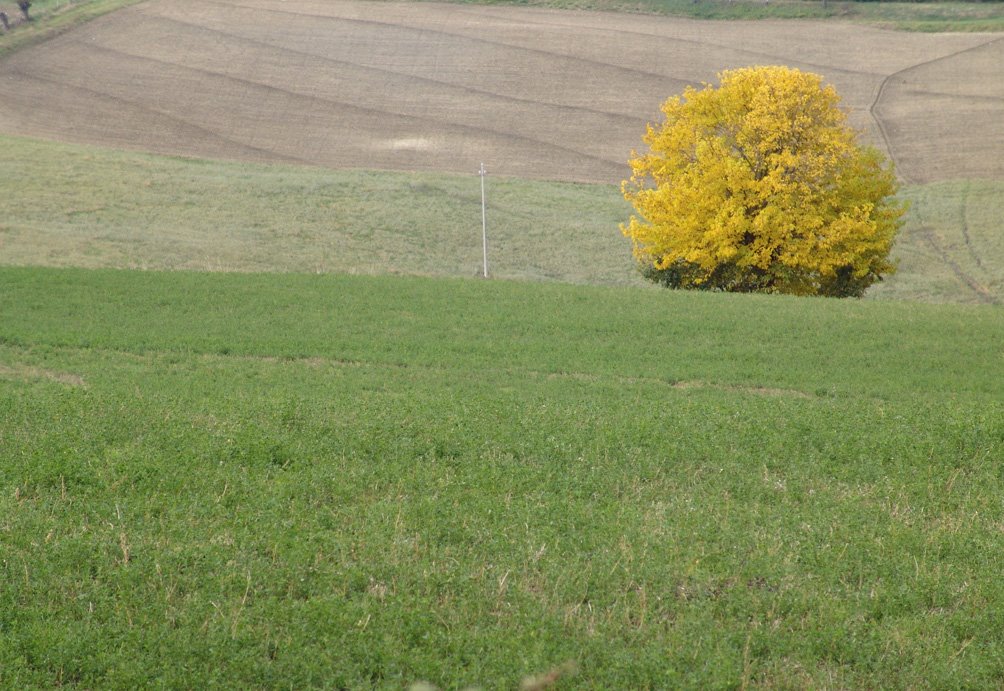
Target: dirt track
<point>533,93</point>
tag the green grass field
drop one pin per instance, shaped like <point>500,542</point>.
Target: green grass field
<point>257,480</point>
<point>75,206</point>
<point>64,205</point>
<point>259,428</point>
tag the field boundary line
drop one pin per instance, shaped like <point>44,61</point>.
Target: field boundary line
<point>981,291</point>
<point>313,361</point>
<point>536,51</point>
<point>873,108</point>
<point>964,224</point>
<point>689,41</point>
<point>272,155</point>
<point>678,384</point>
<point>384,71</point>
<point>328,101</point>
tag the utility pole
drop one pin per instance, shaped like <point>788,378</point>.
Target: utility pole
<point>484,224</point>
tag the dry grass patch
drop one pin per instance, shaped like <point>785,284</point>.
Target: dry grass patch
<point>28,373</point>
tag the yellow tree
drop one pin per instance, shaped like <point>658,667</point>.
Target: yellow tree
<point>760,185</point>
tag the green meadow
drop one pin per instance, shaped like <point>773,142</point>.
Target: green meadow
<point>65,205</point>
<point>69,205</point>
<point>287,480</point>
<point>260,427</point>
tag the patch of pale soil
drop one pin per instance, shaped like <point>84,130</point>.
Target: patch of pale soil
<point>409,143</point>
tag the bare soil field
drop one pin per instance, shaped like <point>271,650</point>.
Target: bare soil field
<point>533,93</point>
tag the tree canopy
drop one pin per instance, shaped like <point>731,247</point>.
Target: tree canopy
<point>759,185</point>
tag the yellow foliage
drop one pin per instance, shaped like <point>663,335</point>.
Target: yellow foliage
<point>760,185</point>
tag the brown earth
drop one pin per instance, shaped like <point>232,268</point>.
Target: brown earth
<point>532,93</point>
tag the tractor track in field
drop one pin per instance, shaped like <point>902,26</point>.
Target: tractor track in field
<point>196,129</point>
<point>879,121</point>
<point>371,112</point>
<point>964,226</point>
<point>703,44</point>
<point>365,111</point>
<point>982,293</point>
<point>383,72</point>
<point>550,54</point>
<point>539,94</point>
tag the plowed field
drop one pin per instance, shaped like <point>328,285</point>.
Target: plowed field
<point>532,93</point>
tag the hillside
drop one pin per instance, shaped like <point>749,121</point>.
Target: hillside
<point>260,427</point>
<point>532,93</point>
<point>65,205</point>
<point>539,95</point>
<point>275,480</point>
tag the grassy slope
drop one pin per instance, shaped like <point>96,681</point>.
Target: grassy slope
<point>63,205</point>
<point>74,206</point>
<point>952,247</point>
<point>353,481</point>
<point>290,480</point>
